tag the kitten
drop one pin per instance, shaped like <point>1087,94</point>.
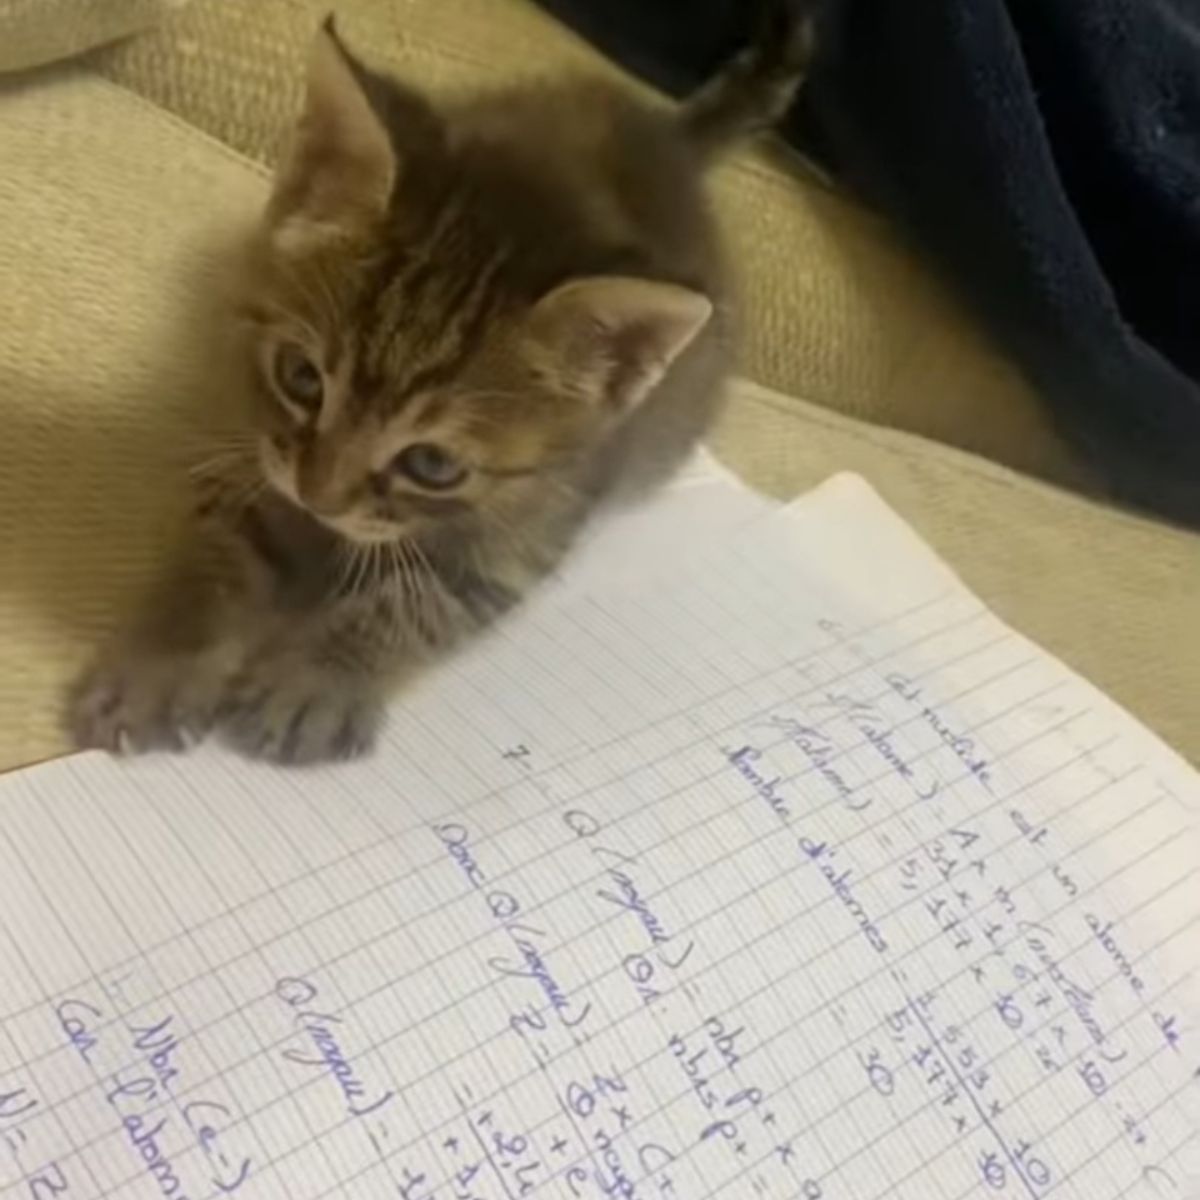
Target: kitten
<point>464,327</point>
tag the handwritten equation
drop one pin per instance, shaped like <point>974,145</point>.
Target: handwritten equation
<point>825,912</point>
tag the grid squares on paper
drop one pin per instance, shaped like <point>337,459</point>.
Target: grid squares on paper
<point>195,888</point>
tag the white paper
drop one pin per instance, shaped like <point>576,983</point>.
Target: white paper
<point>775,868</point>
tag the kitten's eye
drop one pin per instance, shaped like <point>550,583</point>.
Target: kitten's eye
<point>429,466</point>
<point>299,378</point>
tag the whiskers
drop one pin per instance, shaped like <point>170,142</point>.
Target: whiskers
<point>402,572</point>
<point>370,565</point>
<point>362,565</point>
<point>225,452</point>
<point>229,471</point>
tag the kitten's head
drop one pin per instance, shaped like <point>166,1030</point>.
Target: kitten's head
<point>418,359</point>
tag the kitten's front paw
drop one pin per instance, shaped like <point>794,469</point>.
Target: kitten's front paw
<point>133,706</point>
<point>299,718</point>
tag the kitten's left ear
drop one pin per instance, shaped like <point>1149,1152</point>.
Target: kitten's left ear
<point>341,166</point>
<point>610,339</point>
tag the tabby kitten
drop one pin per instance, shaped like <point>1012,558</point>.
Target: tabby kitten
<point>463,327</point>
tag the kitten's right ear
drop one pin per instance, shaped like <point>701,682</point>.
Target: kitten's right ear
<point>609,340</point>
<point>340,167</point>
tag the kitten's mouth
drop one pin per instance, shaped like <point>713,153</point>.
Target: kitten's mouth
<point>356,529</point>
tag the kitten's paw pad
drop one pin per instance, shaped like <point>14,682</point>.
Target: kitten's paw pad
<point>300,725</point>
<point>137,707</point>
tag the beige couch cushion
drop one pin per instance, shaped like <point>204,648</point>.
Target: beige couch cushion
<point>33,32</point>
<point>836,311</point>
<point>108,209</point>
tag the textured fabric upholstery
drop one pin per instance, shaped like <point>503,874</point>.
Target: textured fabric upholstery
<point>33,32</point>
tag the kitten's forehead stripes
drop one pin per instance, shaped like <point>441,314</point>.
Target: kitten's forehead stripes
<point>394,367</point>
<point>429,308</point>
<point>468,308</point>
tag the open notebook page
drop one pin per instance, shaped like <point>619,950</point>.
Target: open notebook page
<point>789,872</point>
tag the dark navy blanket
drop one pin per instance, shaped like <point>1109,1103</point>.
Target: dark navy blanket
<point>1044,153</point>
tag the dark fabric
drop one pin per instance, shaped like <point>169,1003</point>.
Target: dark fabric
<point>1045,153</point>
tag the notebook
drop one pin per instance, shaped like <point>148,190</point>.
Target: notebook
<point>753,858</point>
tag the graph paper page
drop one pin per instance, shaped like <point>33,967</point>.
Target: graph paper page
<point>788,873</point>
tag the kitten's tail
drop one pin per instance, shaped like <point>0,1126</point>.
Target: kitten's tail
<point>757,87</point>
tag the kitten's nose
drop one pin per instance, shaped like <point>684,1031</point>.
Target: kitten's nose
<point>324,505</point>
<point>318,485</point>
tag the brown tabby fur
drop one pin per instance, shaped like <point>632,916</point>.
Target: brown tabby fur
<point>529,281</point>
